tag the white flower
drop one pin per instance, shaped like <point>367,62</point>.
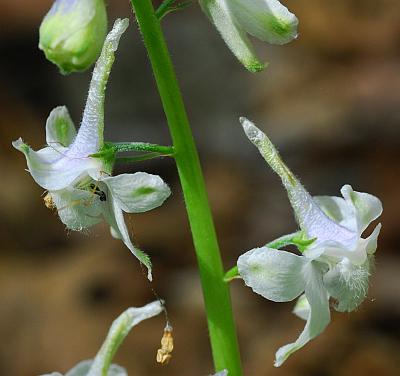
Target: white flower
<point>76,167</point>
<point>336,264</point>
<point>221,373</point>
<point>268,20</point>
<point>120,328</point>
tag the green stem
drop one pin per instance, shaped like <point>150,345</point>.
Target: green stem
<point>141,158</point>
<point>164,7</point>
<point>167,6</point>
<point>121,147</point>
<point>218,306</point>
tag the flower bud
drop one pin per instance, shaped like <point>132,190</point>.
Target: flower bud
<point>73,32</point>
<point>267,20</point>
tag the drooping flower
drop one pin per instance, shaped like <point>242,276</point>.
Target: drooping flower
<point>336,262</point>
<point>72,33</point>
<point>76,168</point>
<point>267,20</point>
<point>120,328</point>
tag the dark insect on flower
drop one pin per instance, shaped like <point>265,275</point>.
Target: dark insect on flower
<point>96,190</point>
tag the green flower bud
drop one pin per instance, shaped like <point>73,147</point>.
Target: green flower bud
<point>72,33</point>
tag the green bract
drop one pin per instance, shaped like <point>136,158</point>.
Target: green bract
<point>337,263</point>
<point>72,33</point>
<point>78,180</point>
<point>267,20</point>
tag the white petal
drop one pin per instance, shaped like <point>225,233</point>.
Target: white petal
<point>348,284</point>
<point>54,173</point>
<point>337,251</point>
<point>339,210</point>
<point>275,275</point>
<point>60,130</point>
<point>221,373</point>
<point>235,37</point>
<point>90,136</point>
<point>81,369</point>
<point>357,255</point>
<point>114,233</point>
<point>115,218</point>
<point>371,243</point>
<point>318,318</point>
<point>267,20</point>
<point>120,328</point>
<point>78,209</point>
<point>309,215</point>
<point>367,207</point>
<point>302,308</point>
<point>315,222</point>
<point>139,192</point>
<point>116,370</point>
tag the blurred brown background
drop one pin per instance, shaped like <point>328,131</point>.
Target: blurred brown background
<point>330,101</point>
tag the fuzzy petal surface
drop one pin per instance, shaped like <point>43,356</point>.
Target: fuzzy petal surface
<point>348,284</point>
<point>139,192</point>
<point>275,275</point>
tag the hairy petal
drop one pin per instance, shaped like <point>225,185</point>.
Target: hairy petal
<point>267,20</point>
<point>275,275</point>
<point>348,284</point>
<point>318,318</point>
<point>139,192</point>
<point>220,14</point>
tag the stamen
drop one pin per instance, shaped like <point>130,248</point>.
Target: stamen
<point>167,345</point>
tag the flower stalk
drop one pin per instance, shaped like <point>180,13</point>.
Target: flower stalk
<point>216,292</point>
<point>122,147</point>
